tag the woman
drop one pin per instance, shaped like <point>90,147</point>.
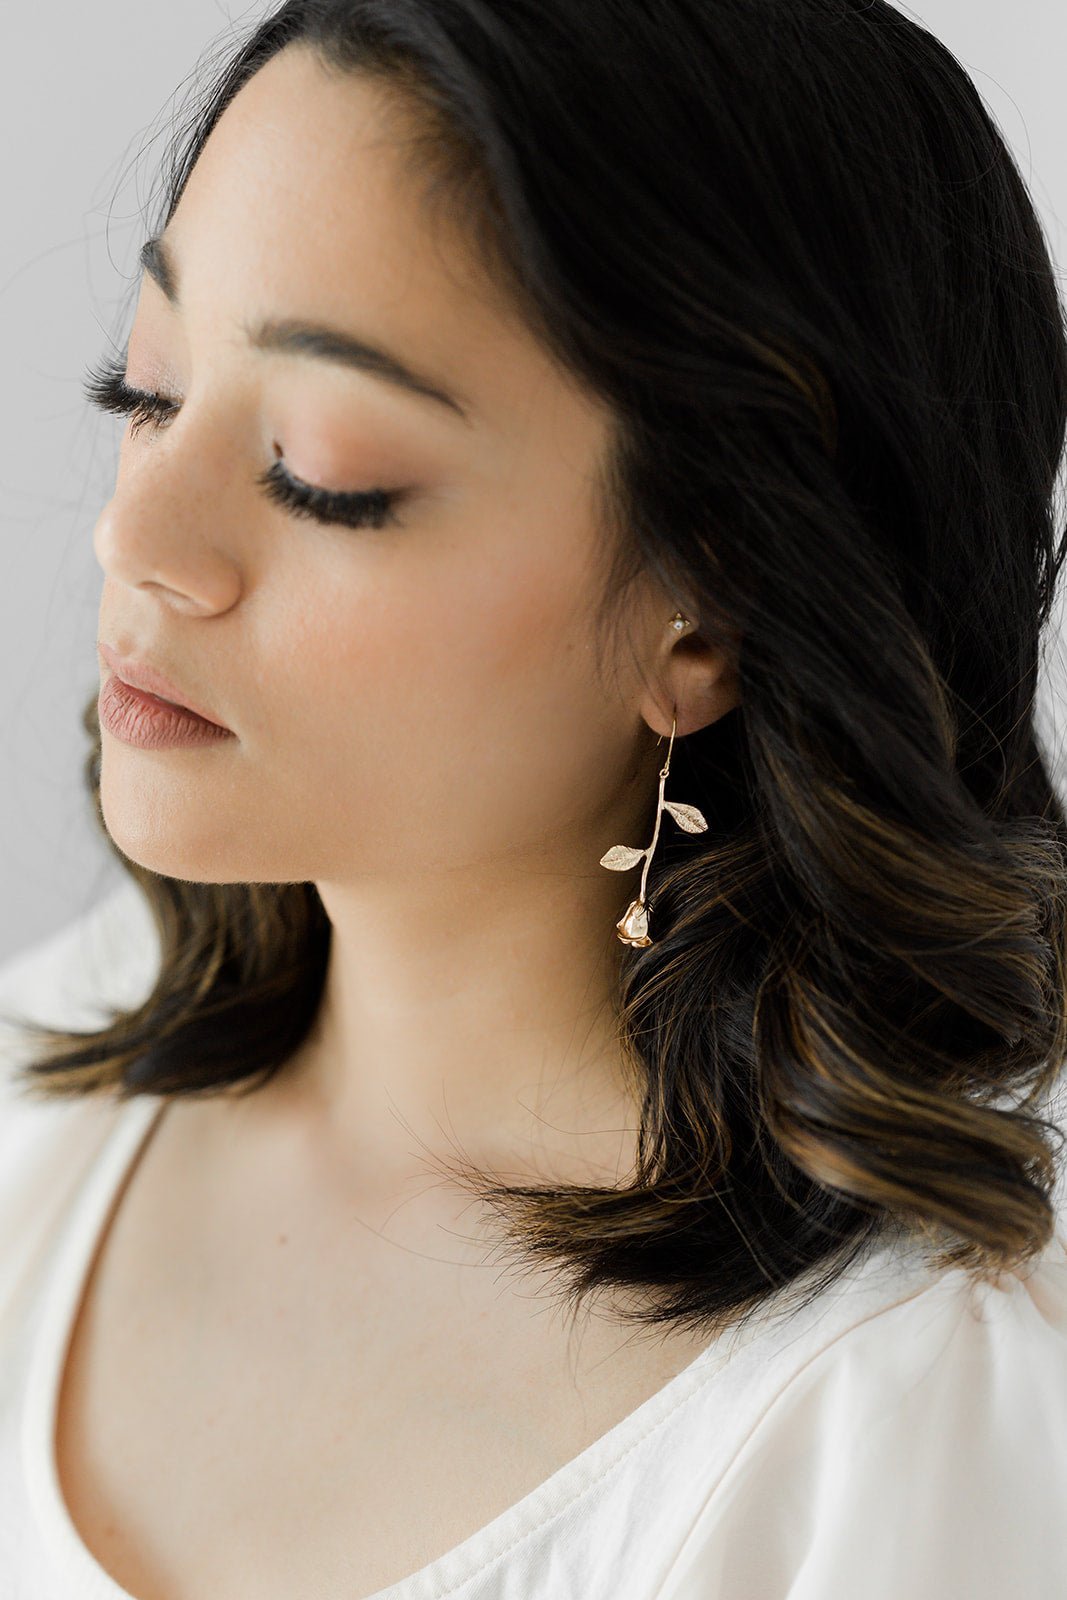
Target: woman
<point>589,482</point>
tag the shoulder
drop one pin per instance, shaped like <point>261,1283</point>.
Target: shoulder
<point>105,957</point>
<point>920,1449</point>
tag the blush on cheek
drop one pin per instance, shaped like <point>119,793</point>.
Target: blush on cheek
<point>516,619</point>
<point>540,633</point>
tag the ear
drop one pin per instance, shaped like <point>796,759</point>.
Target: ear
<point>688,677</point>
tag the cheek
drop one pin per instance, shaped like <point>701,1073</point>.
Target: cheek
<point>473,611</point>
<point>442,693</point>
<point>497,627</point>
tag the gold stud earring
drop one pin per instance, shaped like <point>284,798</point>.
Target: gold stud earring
<point>632,926</point>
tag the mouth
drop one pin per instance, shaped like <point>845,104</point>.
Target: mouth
<point>158,700</point>
<point>145,679</point>
<point>148,722</point>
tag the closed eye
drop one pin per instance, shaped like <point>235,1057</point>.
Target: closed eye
<point>106,388</point>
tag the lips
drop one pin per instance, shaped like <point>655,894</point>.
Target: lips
<point>140,675</point>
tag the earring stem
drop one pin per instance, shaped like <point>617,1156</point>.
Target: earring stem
<point>663,771</point>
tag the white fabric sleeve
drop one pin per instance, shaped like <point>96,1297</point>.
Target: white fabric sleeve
<point>922,1455</point>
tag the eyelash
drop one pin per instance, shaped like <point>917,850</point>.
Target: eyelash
<point>105,387</point>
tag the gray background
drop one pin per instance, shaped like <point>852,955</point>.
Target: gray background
<point>87,93</point>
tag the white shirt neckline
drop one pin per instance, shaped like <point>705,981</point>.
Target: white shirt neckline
<point>62,1296</point>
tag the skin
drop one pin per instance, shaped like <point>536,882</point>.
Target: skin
<point>420,730</point>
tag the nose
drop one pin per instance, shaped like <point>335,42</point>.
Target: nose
<point>163,531</point>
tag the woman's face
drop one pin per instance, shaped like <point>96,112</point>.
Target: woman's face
<point>407,697</point>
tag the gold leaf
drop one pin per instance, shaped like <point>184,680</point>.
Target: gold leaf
<point>620,857</point>
<point>687,817</point>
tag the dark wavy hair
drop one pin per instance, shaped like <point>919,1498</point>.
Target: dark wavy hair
<point>785,240</point>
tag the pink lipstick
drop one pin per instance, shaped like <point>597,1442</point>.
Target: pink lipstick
<point>142,707</point>
<point>142,719</point>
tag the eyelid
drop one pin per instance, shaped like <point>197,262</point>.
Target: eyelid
<point>107,387</point>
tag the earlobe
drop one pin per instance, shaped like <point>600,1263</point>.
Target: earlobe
<point>693,681</point>
<point>700,680</point>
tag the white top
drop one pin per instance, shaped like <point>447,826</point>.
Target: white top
<point>905,1436</point>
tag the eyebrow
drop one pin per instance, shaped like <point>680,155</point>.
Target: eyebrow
<point>289,336</point>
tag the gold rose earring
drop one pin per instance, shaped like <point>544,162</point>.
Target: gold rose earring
<point>632,926</point>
